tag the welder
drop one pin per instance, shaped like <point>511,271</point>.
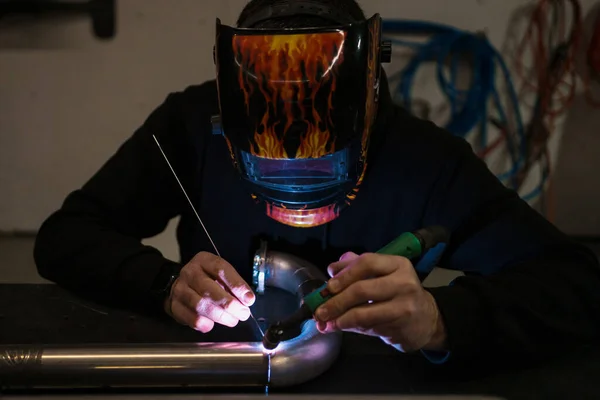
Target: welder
<point>297,140</point>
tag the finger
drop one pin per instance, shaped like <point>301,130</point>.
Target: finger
<point>364,318</point>
<point>358,293</point>
<point>330,326</point>
<point>214,303</point>
<point>220,297</point>
<point>366,266</point>
<point>186,316</point>
<point>206,286</point>
<point>382,331</point>
<point>220,270</point>
<point>322,326</point>
<point>344,261</point>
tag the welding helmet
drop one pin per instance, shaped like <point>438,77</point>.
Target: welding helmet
<point>297,107</point>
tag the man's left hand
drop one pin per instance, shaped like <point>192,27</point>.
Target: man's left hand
<point>381,295</point>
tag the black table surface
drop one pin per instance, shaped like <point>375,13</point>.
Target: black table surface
<point>47,314</point>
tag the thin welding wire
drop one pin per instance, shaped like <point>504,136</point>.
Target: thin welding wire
<point>186,196</point>
<point>198,216</point>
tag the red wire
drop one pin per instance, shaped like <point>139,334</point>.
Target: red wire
<point>568,76</point>
<point>483,153</point>
<point>535,38</point>
<point>549,79</point>
<point>553,85</point>
<point>554,88</point>
<point>536,35</point>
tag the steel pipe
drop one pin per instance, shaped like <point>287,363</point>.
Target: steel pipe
<point>115,365</point>
<point>184,364</point>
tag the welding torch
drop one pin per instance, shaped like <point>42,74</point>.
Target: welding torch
<point>427,245</point>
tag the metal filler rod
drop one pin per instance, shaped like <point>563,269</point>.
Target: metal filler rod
<point>198,216</point>
<point>186,195</point>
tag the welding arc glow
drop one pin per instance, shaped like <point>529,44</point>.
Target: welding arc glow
<point>269,352</point>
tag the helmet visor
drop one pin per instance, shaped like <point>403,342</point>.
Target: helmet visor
<point>299,174</point>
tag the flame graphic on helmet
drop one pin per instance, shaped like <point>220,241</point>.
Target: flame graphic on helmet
<point>291,72</point>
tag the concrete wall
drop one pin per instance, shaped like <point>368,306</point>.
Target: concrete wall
<point>67,101</point>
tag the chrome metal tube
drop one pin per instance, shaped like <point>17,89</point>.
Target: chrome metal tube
<point>120,365</point>
<point>184,364</point>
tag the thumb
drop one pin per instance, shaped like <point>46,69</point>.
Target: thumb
<point>348,256</point>
<point>344,261</point>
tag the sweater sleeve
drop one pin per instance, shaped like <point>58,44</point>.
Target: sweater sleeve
<point>528,290</point>
<point>92,244</point>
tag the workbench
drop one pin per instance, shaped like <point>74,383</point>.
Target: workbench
<point>48,314</point>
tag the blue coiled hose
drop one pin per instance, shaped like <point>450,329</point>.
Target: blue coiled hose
<point>469,108</point>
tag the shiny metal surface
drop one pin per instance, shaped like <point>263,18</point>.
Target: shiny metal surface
<point>258,268</point>
<point>289,272</point>
<point>168,364</point>
<point>182,364</point>
<point>311,353</point>
<point>200,396</point>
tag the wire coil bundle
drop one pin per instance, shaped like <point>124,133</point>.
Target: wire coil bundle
<point>550,80</point>
<point>469,108</point>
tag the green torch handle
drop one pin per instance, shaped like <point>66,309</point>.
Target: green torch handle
<point>406,245</point>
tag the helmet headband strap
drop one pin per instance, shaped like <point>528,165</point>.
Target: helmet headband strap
<point>295,8</point>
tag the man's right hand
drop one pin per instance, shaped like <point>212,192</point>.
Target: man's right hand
<point>201,295</point>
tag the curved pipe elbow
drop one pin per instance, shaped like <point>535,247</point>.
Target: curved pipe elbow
<point>304,358</point>
<point>311,353</point>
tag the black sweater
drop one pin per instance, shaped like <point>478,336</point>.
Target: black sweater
<point>528,289</point>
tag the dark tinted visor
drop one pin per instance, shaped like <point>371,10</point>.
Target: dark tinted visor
<point>297,175</point>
